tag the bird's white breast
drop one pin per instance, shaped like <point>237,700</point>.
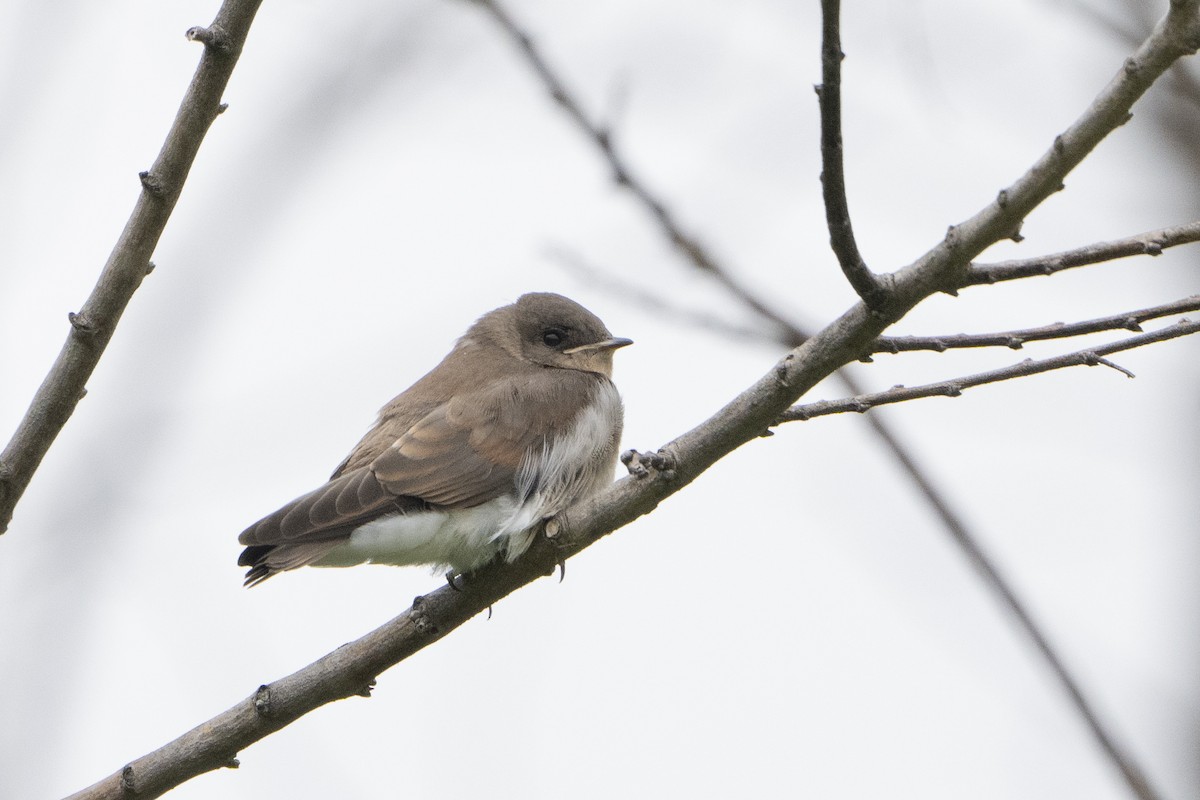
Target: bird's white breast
<point>567,468</point>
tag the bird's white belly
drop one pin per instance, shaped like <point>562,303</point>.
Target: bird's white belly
<point>463,539</point>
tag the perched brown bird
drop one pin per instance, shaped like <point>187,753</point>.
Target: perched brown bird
<point>518,422</point>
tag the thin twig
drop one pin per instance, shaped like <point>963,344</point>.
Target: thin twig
<point>93,326</point>
<point>1091,357</point>
<point>662,308</point>
<point>622,174</point>
<point>1130,321</point>
<point>866,284</point>
<point>1150,243</point>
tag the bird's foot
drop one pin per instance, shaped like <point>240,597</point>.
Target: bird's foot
<point>641,465</point>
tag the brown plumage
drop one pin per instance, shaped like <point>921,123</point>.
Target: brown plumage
<point>518,421</point>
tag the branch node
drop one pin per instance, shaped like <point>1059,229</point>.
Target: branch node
<point>1059,145</point>
<point>1153,247</point>
<point>953,390</point>
<point>222,108</point>
<point>1002,198</point>
<point>865,358</point>
<point>365,690</point>
<point>262,701</point>
<point>82,323</point>
<point>128,786</point>
<point>783,369</point>
<point>1132,66</point>
<point>553,528</point>
<point>150,266</point>
<point>1132,324</point>
<point>1014,343</point>
<point>151,184</point>
<point>421,619</point>
<point>641,465</point>
<point>232,763</point>
<point>213,38</point>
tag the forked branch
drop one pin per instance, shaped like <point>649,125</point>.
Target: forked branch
<point>1016,339</point>
<point>1150,243</point>
<point>1091,357</point>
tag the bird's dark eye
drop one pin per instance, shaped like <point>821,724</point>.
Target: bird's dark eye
<point>553,337</point>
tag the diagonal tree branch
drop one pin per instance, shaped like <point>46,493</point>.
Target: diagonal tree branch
<point>1090,357</point>
<point>93,326</point>
<point>866,284</point>
<point>793,336</point>
<point>351,669</point>
<point>1150,243</point>
<point>1015,340</point>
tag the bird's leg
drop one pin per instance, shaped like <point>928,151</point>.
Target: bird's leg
<point>452,579</point>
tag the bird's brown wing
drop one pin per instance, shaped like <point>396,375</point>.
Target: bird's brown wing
<point>330,512</point>
<point>464,452</point>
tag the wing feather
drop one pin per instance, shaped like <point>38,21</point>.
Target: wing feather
<point>462,453</point>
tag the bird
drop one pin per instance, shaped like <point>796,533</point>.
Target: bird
<point>520,420</point>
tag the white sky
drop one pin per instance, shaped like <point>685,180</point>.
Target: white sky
<point>795,623</point>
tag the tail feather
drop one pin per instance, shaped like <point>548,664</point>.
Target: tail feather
<point>266,560</point>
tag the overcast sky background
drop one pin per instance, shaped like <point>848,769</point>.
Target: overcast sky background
<point>795,623</point>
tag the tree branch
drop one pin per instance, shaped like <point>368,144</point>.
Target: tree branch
<point>953,388</point>
<point>93,326</point>
<point>866,284</point>
<point>351,669</point>
<point>793,336</point>
<point>1150,243</point>
<point>1015,340</point>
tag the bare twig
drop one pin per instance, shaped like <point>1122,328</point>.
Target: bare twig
<point>953,388</point>
<point>623,175</point>
<point>1150,243</point>
<point>1130,321</point>
<point>866,284</point>
<point>93,326</point>
<point>661,307</point>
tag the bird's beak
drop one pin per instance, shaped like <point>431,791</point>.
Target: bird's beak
<point>608,344</point>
